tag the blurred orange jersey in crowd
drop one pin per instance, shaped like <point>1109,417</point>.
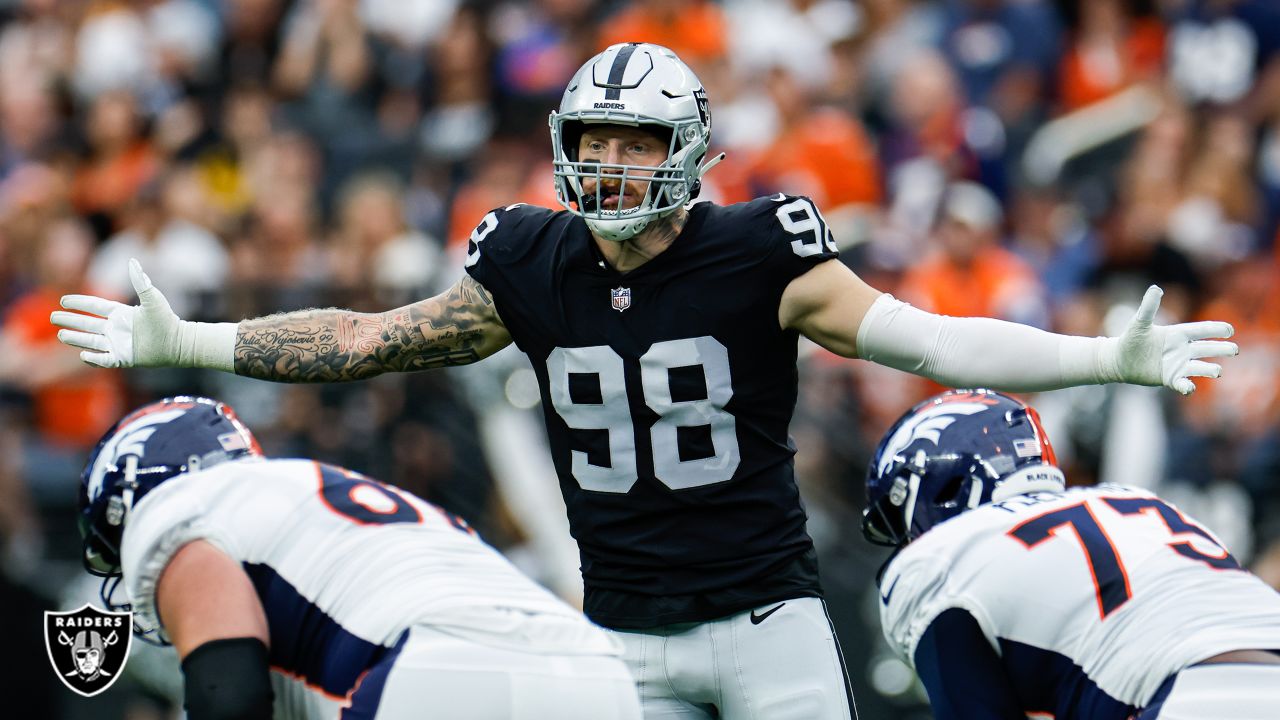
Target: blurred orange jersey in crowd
<point>995,283</point>
<point>696,32</point>
<point>991,285</point>
<point>1247,396</point>
<point>827,156</point>
<point>107,185</point>
<point>1090,73</point>
<point>498,185</point>
<point>76,410</point>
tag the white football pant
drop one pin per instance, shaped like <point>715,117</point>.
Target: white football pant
<point>786,665</point>
<point>1222,691</point>
<point>438,675</point>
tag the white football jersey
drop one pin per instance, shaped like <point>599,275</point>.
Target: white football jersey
<point>344,565</point>
<point>1110,580</point>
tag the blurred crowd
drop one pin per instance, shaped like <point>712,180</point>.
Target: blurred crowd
<point>1036,160</point>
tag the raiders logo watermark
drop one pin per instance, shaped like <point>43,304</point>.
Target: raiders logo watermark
<point>88,647</point>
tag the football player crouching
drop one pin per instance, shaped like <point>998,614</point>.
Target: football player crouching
<point>295,589</point>
<point>1013,596</point>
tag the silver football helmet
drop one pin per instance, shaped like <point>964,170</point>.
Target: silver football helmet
<point>641,85</point>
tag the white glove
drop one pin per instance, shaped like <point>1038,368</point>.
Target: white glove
<point>149,334</point>
<point>1147,354</point>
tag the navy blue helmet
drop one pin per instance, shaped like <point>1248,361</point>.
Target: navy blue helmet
<point>952,453</point>
<point>147,447</point>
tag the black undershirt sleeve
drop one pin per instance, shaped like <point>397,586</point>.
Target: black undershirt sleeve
<point>962,673</point>
<point>228,680</point>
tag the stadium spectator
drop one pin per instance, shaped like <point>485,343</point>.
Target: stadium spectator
<point>504,173</point>
<point>279,254</point>
<point>1111,45</point>
<point>164,225</point>
<point>120,162</point>
<point>819,152</point>
<point>1220,209</point>
<point>374,257</point>
<point>32,198</point>
<point>251,43</point>
<point>28,120</point>
<point>539,45</point>
<point>970,273</point>
<point>923,144</point>
<point>1243,414</point>
<point>695,29</point>
<point>70,405</point>
<point>1052,234</point>
<point>460,121</point>
<point>796,35</point>
<point>1004,52</point>
<point>1226,52</point>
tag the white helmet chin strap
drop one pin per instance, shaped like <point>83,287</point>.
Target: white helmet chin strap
<point>621,228</point>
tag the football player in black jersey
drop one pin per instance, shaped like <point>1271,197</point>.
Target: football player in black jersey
<point>663,335</point>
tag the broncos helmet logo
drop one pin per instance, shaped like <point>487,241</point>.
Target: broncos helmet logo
<point>952,453</point>
<point>131,440</point>
<point>928,425</point>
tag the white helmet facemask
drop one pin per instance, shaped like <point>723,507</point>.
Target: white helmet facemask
<point>639,85</point>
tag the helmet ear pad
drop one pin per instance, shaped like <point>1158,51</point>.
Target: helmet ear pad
<point>685,155</point>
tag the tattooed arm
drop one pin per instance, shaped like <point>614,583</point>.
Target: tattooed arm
<point>457,327</point>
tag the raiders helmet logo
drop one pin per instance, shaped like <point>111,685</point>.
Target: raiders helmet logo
<point>88,647</point>
<point>704,107</point>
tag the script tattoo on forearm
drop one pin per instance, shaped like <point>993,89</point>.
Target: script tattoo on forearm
<point>331,345</point>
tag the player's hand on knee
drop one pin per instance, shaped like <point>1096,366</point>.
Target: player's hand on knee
<point>1170,355</point>
<point>111,334</point>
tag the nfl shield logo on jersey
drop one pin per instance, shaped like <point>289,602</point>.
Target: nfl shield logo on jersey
<point>88,647</point>
<point>621,298</point>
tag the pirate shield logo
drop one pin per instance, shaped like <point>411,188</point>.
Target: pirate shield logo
<point>704,107</point>
<point>88,647</point>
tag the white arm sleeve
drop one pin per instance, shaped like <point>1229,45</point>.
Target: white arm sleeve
<point>207,345</point>
<point>981,352</point>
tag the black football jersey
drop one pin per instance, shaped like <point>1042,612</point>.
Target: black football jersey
<point>667,391</point>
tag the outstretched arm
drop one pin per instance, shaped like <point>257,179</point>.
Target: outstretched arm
<point>457,327</point>
<point>835,309</point>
